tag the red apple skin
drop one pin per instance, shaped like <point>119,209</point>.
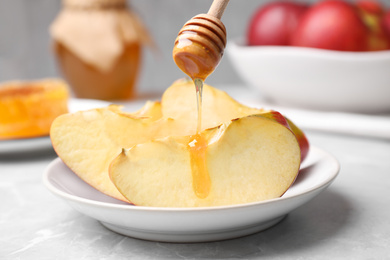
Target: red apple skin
<point>385,25</point>
<point>276,116</point>
<point>378,40</point>
<point>332,25</point>
<point>372,13</point>
<point>274,23</point>
<point>385,22</point>
<point>304,144</point>
<point>371,6</point>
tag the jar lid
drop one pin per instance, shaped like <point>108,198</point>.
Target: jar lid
<point>98,36</point>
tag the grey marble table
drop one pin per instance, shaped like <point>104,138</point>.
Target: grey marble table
<point>349,220</point>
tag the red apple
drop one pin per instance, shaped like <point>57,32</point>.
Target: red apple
<point>371,6</point>
<point>372,13</point>
<point>274,23</point>
<point>386,23</point>
<point>332,25</point>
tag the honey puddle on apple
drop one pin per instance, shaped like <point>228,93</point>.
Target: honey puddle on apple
<point>200,177</point>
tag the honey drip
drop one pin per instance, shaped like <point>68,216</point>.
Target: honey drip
<point>197,53</point>
<point>199,89</point>
<point>200,177</point>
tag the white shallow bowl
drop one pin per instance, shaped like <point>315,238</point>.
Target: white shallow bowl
<point>191,224</point>
<point>314,78</point>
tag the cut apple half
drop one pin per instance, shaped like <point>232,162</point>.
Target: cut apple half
<point>250,159</point>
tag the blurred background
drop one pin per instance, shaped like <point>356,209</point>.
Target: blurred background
<point>25,44</point>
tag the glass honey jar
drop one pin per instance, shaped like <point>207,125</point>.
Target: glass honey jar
<point>98,46</point>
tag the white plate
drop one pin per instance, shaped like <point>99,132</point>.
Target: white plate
<point>191,224</point>
<point>26,145</point>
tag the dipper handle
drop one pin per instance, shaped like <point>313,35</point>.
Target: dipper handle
<point>217,8</point>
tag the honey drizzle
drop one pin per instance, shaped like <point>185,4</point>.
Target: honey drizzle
<point>199,98</point>
<point>200,177</point>
<point>198,67</point>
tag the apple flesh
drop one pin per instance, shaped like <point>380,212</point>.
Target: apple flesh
<point>87,141</point>
<point>218,108</point>
<point>332,25</point>
<point>151,110</point>
<point>179,103</point>
<point>249,159</point>
<point>274,23</point>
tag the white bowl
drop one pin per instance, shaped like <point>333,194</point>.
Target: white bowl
<point>315,78</point>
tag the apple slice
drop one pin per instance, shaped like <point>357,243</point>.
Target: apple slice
<point>250,159</point>
<point>151,110</point>
<point>218,108</point>
<point>88,141</point>
<point>179,102</point>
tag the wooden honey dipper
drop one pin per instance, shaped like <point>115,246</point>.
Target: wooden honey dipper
<point>201,42</point>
